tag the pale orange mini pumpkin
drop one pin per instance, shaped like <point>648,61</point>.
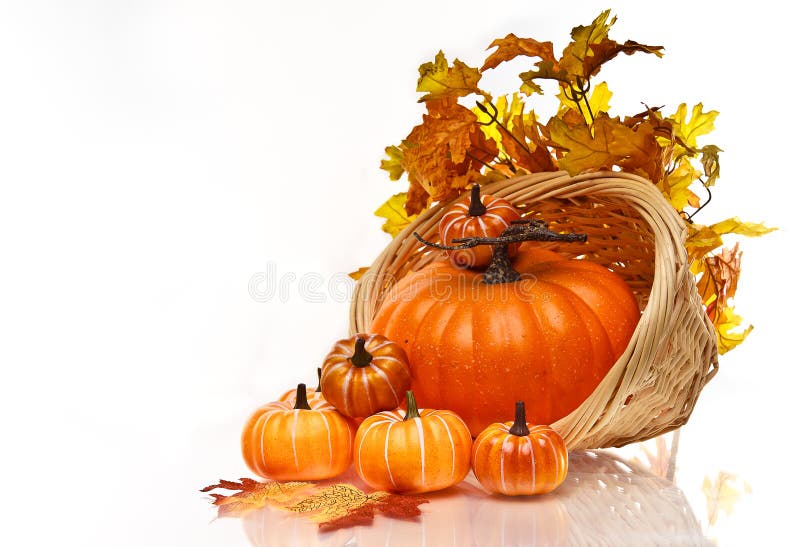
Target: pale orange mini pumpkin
<point>478,216</point>
<point>308,440</point>
<point>365,374</point>
<point>416,451</point>
<point>518,459</point>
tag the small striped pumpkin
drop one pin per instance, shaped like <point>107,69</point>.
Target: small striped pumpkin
<point>479,216</point>
<point>365,374</point>
<point>421,451</point>
<point>307,440</point>
<point>519,459</point>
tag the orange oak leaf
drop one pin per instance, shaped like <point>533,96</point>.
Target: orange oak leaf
<point>511,47</point>
<point>444,154</point>
<point>389,505</point>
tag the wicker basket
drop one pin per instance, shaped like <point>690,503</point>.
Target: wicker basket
<point>633,231</point>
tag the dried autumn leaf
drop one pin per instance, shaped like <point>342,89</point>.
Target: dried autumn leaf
<point>511,47</point>
<point>359,273</point>
<point>729,330</point>
<point>584,149</point>
<point>709,158</point>
<point>445,153</point>
<point>701,240</point>
<point>439,80</point>
<point>389,505</point>
<point>675,186</point>
<point>719,278</point>
<point>395,214</point>
<point>599,101</point>
<point>518,135</point>
<point>574,55</point>
<point>251,495</point>
<point>331,506</point>
<point>393,165</point>
<point>607,49</point>
<point>699,123</point>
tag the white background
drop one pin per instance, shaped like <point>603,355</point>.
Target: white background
<point>156,155</point>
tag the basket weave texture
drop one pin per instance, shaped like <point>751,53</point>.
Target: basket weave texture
<point>635,232</point>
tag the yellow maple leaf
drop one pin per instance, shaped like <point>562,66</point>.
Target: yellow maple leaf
<point>394,165</point>
<point>675,186</point>
<point>584,149</point>
<point>438,79</point>
<point>701,240</point>
<point>599,101</point>
<point>699,123</point>
<point>395,214</point>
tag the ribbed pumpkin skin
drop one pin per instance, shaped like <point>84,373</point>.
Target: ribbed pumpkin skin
<point>421,454</point>
<point>457,223</point>
<point>362,391</point>
<point>547,340</point>
<point>281,443</point>
<point>519,465</point>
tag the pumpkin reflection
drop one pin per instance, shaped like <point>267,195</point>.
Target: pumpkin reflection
<point>520,521</point>
<point>444,522</point>
<point>270,527</point>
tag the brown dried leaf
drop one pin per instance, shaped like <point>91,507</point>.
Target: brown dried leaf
<point>511,47</point>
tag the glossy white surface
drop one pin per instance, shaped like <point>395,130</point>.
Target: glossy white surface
<point>603,502</point>
<point>161,160</point>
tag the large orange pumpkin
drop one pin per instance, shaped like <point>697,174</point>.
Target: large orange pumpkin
<point>485,216</point>
<point>476,343</point>
<point>307,440</point>
<point>419,450</point>
<point>519,459</point>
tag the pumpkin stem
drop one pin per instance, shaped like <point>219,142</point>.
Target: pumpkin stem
<point>500,269</point>
<point>361,357</point>
<point>411,406</point>
<point>476,206</point>
<point>301,401</point>
<point>319,380</point>
<point>520,427</point>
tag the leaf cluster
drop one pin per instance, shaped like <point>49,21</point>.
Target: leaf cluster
<point>492,138</point>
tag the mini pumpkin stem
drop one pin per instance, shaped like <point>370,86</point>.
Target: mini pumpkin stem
<point>319,380</point>
<point>476,206</point>
<point>411,406</point>
<point>361,357</point>
<point>301,401</point>
<point>520,426</point>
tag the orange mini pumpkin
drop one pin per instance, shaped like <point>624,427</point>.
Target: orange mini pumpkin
<point>519,459</point>
<point>481,216</point>
<point>421,451</point>
<point>365,374</point>
<point>304,441</point>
